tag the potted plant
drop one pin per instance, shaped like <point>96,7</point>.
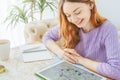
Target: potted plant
<point>25,13</point>
<point>16,15</point>
<point>43,4</point>
<point>38,6</point>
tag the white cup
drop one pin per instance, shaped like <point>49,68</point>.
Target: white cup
<point>4,49</point>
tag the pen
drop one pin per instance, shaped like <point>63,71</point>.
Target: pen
<point>29,51</point>
<point>32,48</point>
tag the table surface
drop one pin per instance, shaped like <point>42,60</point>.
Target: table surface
<point>18,70</point>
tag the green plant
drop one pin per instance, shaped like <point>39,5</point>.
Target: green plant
<point>25,13</point>
<point>31,7</point>
<point>16,15</point>
<point>40,6</point>
<point>43,4</point>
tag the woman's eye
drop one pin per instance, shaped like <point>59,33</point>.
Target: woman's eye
<point>67,15</point>
<point>77,13</point>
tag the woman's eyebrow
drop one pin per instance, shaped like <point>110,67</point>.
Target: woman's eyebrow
<point>73,11</point>
<point>76,9</point>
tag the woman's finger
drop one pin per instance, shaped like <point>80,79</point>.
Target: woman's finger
<point>65,57</point>
<point>70,56</point>
<point>71,51</point>
<point>68,59</point>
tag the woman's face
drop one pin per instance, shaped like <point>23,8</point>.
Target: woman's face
<point>77,13</point>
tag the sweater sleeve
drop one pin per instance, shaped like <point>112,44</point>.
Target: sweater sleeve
<point>51,34</point>
<point>112,66</point>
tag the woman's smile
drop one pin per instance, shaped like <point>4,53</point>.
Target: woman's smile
<point>80,23</point>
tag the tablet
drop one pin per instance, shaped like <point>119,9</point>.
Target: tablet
<point>67,71</point>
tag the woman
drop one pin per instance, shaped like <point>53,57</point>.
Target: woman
<point>90,39</point>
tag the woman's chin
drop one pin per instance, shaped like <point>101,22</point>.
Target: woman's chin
<point>79,26</point>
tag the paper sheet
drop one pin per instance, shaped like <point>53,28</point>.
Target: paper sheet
<point>35,56</point>
<point>35,52</point>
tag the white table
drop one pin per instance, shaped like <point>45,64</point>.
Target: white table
<point>18,70</point>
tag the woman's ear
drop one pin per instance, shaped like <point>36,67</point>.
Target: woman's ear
<point>91,5</point>
<point>92,0</point>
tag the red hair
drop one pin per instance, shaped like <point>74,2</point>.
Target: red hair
<point>69,31</point>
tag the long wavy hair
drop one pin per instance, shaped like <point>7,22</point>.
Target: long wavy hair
<point>69,31</point>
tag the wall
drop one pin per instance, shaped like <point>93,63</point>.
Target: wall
<point>110,9</point>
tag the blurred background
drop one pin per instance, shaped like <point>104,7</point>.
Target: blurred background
<point>14,14</point>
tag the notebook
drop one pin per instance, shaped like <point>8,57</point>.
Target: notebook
<point>35,52</point>
<point>32,48</point>
<point>67,71</point>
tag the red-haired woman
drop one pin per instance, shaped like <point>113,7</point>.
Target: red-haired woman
<point>90,39</point>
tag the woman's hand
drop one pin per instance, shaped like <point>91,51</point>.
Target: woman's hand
<point>70,55</point>
<point>81,60</point>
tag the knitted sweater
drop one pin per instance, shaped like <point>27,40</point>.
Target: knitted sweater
<point>100,44</point>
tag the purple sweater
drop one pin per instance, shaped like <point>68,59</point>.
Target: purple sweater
<point>101,44</point>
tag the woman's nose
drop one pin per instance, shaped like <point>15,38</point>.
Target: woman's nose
<point>74,19</point>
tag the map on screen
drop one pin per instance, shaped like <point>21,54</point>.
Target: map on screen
<point>67,71</point>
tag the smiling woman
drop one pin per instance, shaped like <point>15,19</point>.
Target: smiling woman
<point>73,13</point>
<point>89,38</point>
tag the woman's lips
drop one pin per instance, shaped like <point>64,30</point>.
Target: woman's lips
<point>80,22</point>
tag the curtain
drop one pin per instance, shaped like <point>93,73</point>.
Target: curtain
<point>15,35</point>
